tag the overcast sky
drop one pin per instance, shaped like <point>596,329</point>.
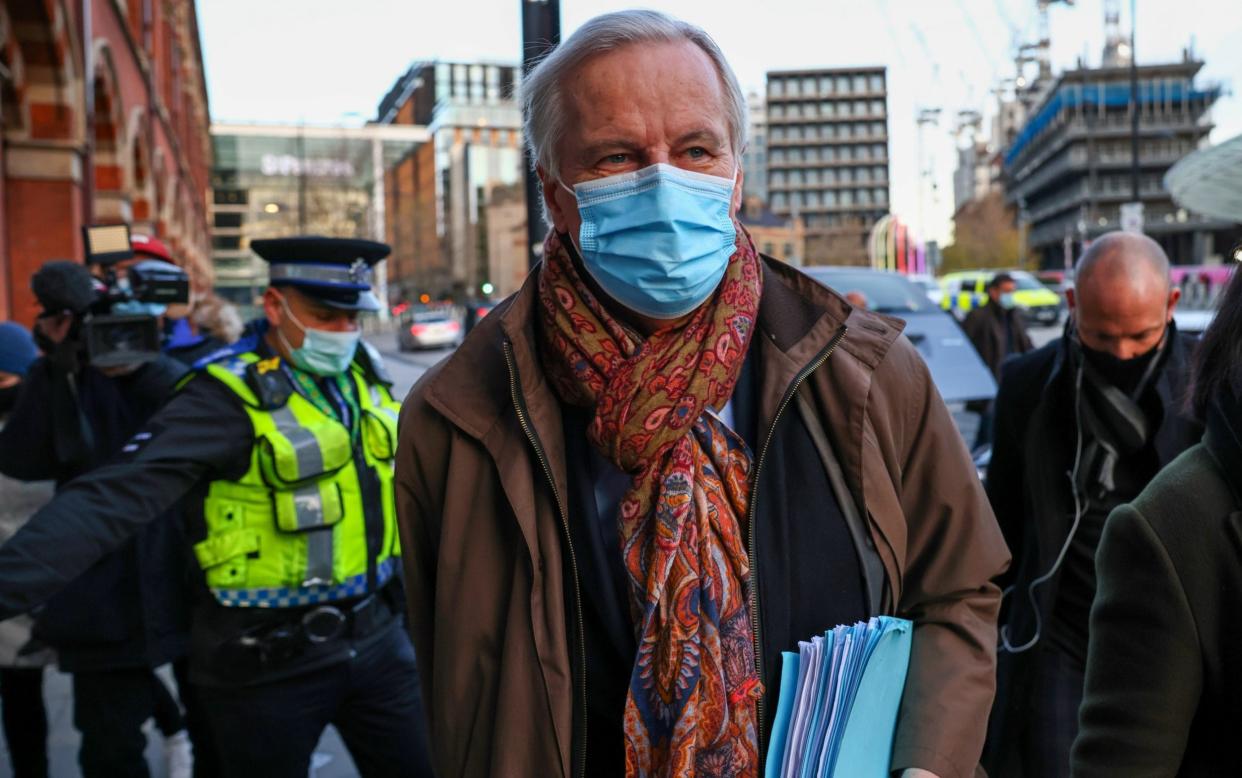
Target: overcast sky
<point>331,61</point>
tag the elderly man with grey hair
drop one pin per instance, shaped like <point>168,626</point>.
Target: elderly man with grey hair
<point>667,459</point>
<point>1082,425</point>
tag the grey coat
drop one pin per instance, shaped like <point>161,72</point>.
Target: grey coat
<point>18,502</point>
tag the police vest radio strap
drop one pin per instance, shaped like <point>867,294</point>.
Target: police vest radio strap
<point>270,384</point>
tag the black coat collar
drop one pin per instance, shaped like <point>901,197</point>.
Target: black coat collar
<point>1172,387</point>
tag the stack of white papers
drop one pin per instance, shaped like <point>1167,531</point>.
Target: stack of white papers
<point>838,702</point>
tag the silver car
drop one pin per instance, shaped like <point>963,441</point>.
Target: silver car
<point>430,328</point>
<point>955,366</point>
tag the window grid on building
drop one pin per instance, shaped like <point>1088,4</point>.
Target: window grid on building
<point>827,145</point>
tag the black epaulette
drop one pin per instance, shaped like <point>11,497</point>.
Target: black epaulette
<point>269,383</point>
<point>372,364</point>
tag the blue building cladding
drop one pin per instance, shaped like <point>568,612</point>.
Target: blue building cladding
<point>1110,95</point>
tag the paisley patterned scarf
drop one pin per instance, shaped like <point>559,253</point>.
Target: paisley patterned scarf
<point>691,706</point>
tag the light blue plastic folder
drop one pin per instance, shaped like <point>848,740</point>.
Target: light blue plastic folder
<point>838,701</point>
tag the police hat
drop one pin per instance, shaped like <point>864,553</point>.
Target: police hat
<point>334,271</point>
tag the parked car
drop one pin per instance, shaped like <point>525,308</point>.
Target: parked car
<point>964,291</point>
<point>475,311</point>
<point>956,369</point>
<point>1056,280</point>
<point>424,328</point>
<point>930,287</point>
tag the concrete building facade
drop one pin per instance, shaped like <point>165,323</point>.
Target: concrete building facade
<point>113,129</point>
<point>827,148</point>
<point>1068,170</point>
<point>782,238</point>
<point>438,226</point>
<point>507,261</point>
<point>973,178</point>
<point>755,157</point>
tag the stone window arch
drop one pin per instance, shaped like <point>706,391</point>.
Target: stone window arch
<point>108,157</point>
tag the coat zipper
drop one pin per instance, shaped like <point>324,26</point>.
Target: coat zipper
<point>520,406</point>
<point>811,367</point>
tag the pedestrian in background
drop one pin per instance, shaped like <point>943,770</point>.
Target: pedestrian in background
<point>1082,425</point>
<point>212,325</point>
<point>22,658</point>
<point>1164,681</point>
<point>997,328</point>
<point>668,458</point>
<point>998,331</point>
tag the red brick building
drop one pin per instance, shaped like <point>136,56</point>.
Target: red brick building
<point>110,126</point>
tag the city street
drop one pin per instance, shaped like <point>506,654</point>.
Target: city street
<point>331,759</point>
<point>171,170</point>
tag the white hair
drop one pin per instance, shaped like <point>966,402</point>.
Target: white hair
<point>542,98</point>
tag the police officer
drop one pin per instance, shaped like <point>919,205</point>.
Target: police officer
<point>281,447</point>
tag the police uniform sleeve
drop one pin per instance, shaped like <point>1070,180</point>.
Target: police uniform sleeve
<point>201,433</point>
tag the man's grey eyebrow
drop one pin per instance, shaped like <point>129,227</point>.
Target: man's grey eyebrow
<point>700,134</point>
<point>599,146</point>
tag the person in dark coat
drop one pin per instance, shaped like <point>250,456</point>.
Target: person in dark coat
<point>1082,425</point>
<point>997,328</point>
<point>998,332</point>
<point>128,614</point>
<point>1164,685</point>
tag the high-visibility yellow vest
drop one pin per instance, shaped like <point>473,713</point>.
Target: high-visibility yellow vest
<point>964,302</point>
<point>292,530</point>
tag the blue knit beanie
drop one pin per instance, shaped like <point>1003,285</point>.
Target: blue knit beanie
<point>17,348</point>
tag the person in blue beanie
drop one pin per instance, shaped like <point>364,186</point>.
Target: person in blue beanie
<point>21,659</point>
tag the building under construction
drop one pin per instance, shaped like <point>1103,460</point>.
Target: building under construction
<point>1069,168</point>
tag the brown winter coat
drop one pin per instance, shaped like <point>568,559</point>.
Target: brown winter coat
<point>483,532</point>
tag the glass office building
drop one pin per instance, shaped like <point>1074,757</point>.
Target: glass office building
<point>274,181</point>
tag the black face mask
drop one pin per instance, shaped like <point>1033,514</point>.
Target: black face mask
<point>8,397</point>
<point>1125,374</point>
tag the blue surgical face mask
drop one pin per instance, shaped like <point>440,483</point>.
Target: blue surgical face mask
<point>322,352</point>
<point>1007,301</point>
<point>657,240</point>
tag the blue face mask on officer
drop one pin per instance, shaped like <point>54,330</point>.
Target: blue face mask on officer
<point>323,352</point>
<point>657,240</point>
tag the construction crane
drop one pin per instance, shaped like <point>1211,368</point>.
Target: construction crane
<point>1039,53</point>
<point>967,125</point>
<point>926,117</point>
<point>1117,52</point>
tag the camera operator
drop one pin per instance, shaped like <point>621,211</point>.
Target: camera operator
<point>127,614</point>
